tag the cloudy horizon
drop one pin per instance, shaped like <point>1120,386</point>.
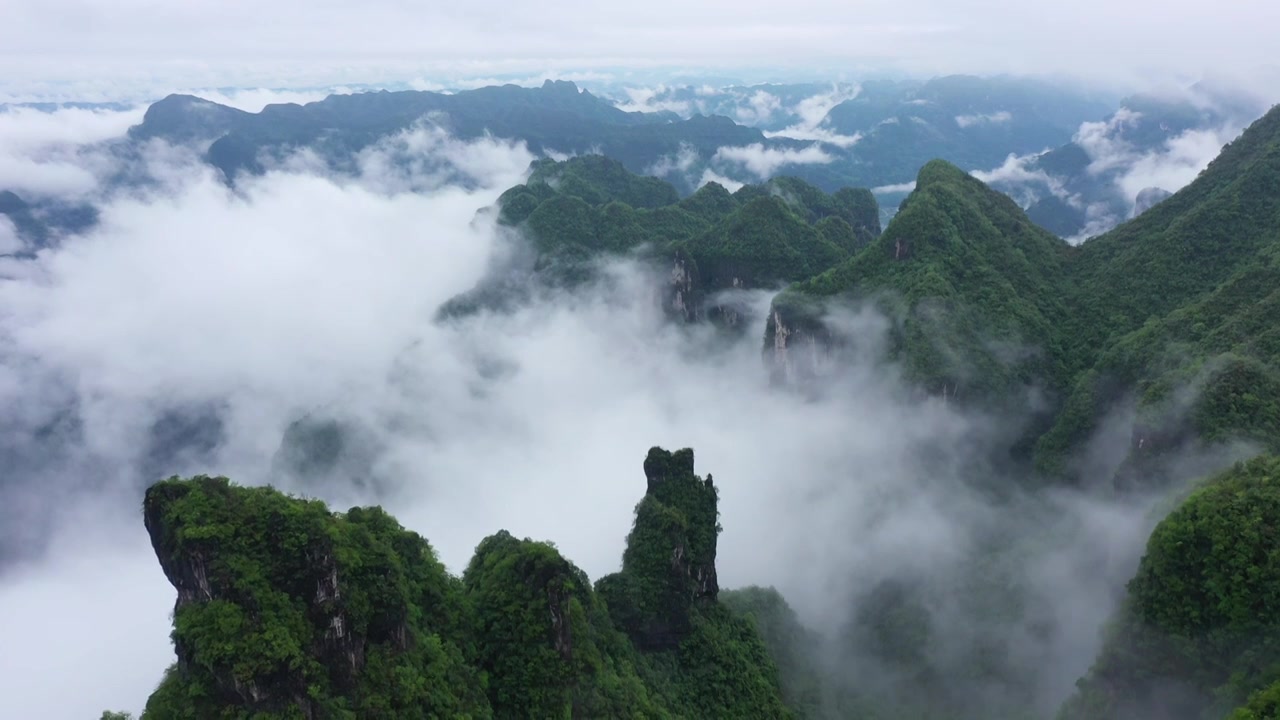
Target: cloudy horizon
<point>94,46</point>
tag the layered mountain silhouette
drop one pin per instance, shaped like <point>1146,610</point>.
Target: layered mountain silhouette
<point>1163,332</point>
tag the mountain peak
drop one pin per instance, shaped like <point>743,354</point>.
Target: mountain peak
<point>11,202</point>
<point>939,171</point>
<point>564,87</point>
<point>186,117</point>
<point>287,609</point>
<point>669,564</point>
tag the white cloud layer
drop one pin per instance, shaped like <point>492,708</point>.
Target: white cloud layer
<point>758,109</point>
<point>895,188</point>
<point>645,99</point>
<point>764,162</point>
<point>812,112</point>
<point>207,44</point>
<point>711,176</point>
<point>9,240</point>
<point>675,165</point>
<point>44,153</point>
<point>1177,162</point>
<point>995,118</point>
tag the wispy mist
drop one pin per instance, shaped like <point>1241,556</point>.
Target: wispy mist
<point>196,324</point>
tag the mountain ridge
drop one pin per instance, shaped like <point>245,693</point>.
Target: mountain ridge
<point>285,609</point>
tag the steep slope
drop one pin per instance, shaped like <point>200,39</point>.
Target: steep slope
<point>1180,292</point>
<point>974,286</point>
<point>577,212</point>
<point>1185,246</point>
<point>1197,632</point>
<point>1204,373</point>
<point>286,610</point>
<point>791,645</point>
<point>666,597</point>
<point>1171,316</point>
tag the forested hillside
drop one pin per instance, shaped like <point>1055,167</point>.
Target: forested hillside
<point>286,609</point>
<point>986,302</point>
<point>576,212</point>
<point>1196,636</point>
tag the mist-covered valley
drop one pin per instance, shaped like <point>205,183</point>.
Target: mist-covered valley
<point>944,431</point>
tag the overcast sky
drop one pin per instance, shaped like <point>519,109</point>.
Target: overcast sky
<point>290,42</point>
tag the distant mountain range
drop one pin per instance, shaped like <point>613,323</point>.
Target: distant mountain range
<point>1040,142</point>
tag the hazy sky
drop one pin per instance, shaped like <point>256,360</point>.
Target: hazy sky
<point>291,42</point>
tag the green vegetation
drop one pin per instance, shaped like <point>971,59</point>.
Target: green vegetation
<point>790,644</point>
<point>1176,309</point>
<point>580,210</point>
<point>665,598</point>
<point>286,610</point>
<point>1184,291</point>
<point>975,285</point>
<point>783,230</point>
<point>1198,630</point>
<point>1263,705</point>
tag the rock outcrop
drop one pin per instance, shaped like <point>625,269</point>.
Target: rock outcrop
<point>286,610</point>
<point>669,565</point>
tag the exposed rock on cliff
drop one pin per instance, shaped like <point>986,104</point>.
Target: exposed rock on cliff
<point>286,610</point>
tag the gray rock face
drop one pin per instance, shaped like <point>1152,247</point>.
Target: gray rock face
<point>197,570</point>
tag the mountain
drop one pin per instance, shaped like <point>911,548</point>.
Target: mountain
<point>1177,298</point>
<point>40,223</point>
<point>27,230</point>
<point>866,135</point>
<point>1071,159</point>
<point>1099,179</point>
<point>971,282</point>
<point>1196,635</point>
<point>1161,336</point>
<point>985,305</point>
<point>286,609</point>
<point>555,118</point>
<point>971,122</point>
<point>580,210</point>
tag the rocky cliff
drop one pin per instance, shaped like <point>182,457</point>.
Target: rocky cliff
<point>287,610</point>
